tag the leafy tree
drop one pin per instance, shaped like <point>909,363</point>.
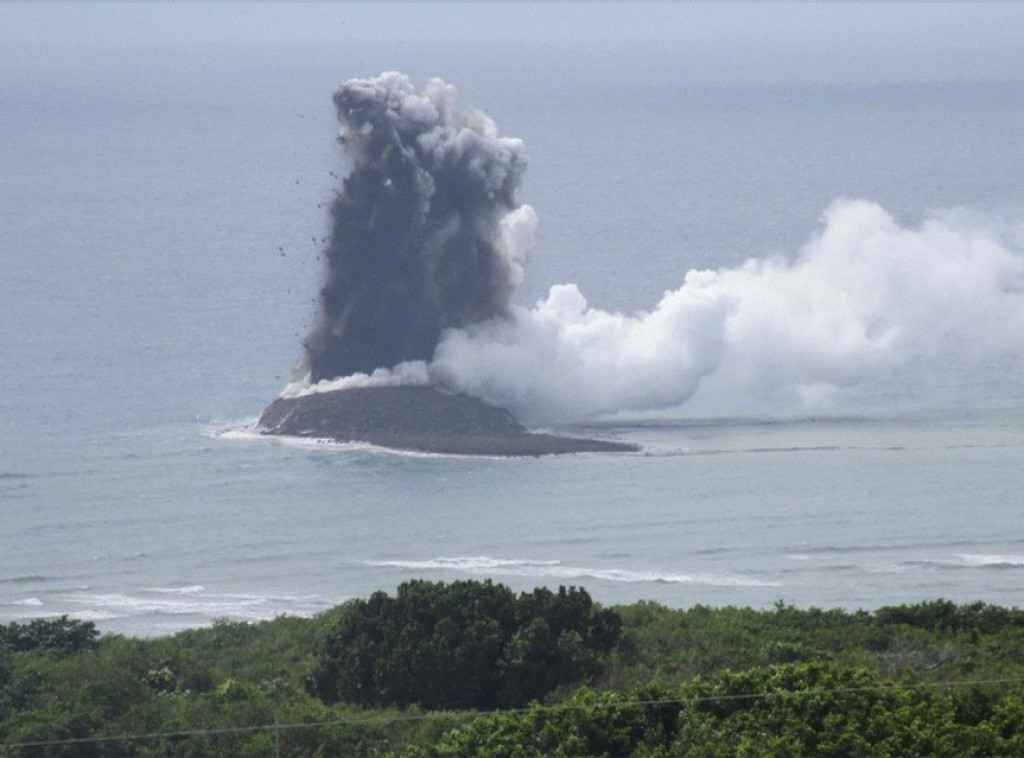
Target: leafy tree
<point>461,645</point>
<point>62,635</point>
<point>945,616</point>
<point>792,711</point>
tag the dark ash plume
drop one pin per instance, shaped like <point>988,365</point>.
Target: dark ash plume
<point>426,234</point>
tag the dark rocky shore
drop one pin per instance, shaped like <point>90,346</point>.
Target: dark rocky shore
<point>419,418</point>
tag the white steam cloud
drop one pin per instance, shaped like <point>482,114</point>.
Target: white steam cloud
<point>863,299</point>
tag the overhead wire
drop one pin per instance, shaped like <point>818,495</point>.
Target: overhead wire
<point>376,720</point>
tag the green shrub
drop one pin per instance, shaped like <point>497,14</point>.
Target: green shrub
<point>461,645</point>
<point>61,635</point>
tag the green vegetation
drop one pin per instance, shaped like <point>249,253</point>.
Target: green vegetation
<point>418,674</point>
<point>462,645</point>
<point>790,711</point>
<point>63,635</point>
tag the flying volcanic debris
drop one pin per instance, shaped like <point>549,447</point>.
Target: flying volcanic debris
<point>426,231</point>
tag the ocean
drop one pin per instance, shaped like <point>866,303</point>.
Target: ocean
<point>161,219</point>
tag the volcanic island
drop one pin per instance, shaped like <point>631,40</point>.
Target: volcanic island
<point>419,418</point>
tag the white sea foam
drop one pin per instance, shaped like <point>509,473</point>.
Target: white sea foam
<point>29,601</point>
<point>967,561</point>
<point>481,562</point>
<point>195,601</point>
<point>193,606</point>
<point>232,429</point>
<point>992,561</point>
<point>251,434</point>
<point>187,590</point>
<point>248,431</point>
<point>483,565</point>
<point>92,615</point>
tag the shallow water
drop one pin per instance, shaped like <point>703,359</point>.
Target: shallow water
<point>853,512</point>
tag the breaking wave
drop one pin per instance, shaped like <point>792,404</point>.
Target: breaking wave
<point>992,561</point>
<point>969,561</point>
<point>483,565</point>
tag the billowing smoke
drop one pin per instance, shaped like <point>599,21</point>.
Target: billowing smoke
<point>429,243</point>
<point>427,234</point>
<point>863,300</point>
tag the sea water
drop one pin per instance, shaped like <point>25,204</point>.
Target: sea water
<point>161,226</point>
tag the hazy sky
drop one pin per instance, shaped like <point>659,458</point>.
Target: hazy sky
<point>917,41</point>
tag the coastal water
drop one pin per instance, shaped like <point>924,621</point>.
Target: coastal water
<point>161,219</point>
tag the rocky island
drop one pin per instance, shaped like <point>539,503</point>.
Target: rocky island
<point>419,418</point>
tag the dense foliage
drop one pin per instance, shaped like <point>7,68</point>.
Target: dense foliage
<point>62,634</point>
<point>925,640</point>
<point>790,711</point>
<point>699,682</point>
<point>462,645</point>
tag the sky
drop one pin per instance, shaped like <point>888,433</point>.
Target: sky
<point>707,42</point>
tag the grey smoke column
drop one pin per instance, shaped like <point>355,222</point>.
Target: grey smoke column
<point>416,240</point>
